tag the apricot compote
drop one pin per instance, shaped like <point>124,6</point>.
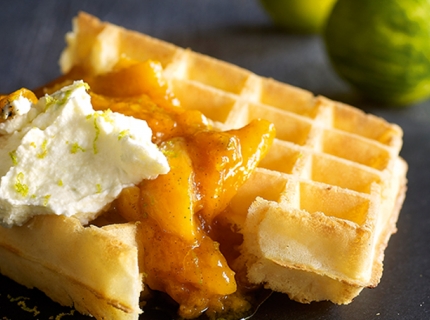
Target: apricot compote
<point>176,211</point>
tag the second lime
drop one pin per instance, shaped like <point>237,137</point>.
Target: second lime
<point>382,48</point>
<point>299,16</point>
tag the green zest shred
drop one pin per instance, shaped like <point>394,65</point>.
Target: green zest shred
<point>65,97</point>
<point>97,129</point>
<point>85,85</point>
<point>21,187</point>
<point>20,301</point>
<point>167,150</point>
<point>49,102</point>
<point>17,298</point>
<point>44,152</point>
<point>123,133</point>
<point>61,315</point>
<point>106,115</point>
<point>46,199</point>
<point>14,157</point>
<point>75,148</point>
<point>24,307</point>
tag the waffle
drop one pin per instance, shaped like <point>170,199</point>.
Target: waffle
<point>317,213</point>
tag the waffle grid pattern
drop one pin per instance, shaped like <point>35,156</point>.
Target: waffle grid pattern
<point>334,173</point>
<point>331,161</point>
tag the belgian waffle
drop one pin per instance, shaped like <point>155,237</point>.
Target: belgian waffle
<point>318,212</point>
<point>330,189</point>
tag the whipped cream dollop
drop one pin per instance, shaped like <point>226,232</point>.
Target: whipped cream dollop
<point>59,156</point>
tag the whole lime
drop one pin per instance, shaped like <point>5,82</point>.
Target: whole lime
<point>304,16</point>
<point>382,47</point>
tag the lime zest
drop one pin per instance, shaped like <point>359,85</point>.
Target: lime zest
<point>167,150</point>
<point>44,152</point>
<point>97,129</point>
<point>17,298</point>
<point>24,307</point>
<point>83,84</point>
<point>63,314</point>
<point>170,154</point>
<point>76,147</point>
<point>106,115</point>
<point>14,157</point>
<point>65,96</point>
<point>123,134</point>
<point>60,183</point>
<point>21,187</point>
<point>46,199</point>
<point>99,188</point>
<point>49,101</point>
<point>21,303</point>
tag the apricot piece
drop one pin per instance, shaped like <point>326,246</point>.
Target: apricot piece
<point>223,161</point>
<point>136,78</point>
<point>196,275</point>
<point>178,257</point>
<point>206,169</point>
<point>170,199</point>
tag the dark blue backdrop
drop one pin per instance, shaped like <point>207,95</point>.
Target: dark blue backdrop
<point>238,31</point>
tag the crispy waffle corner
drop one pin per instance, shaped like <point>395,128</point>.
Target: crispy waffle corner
<point>317,213</point>
<point>93,269</point>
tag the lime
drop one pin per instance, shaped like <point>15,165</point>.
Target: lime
<point>382,48</point>
<point>304,16</point>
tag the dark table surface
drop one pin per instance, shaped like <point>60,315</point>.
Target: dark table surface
<point>238,31</point>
